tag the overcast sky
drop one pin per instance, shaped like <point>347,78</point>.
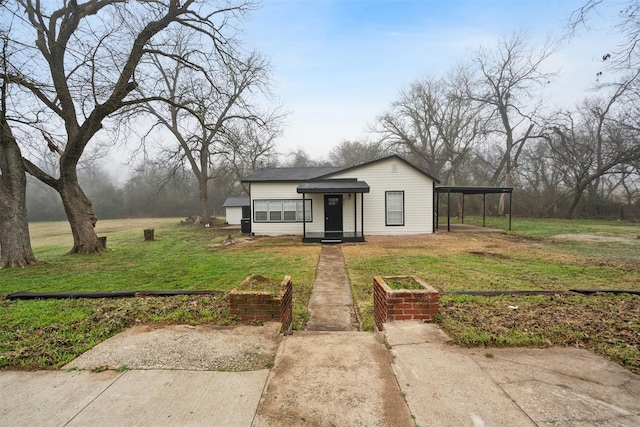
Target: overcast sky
<point>337,64</point>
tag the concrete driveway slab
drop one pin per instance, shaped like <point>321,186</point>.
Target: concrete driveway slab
<point>446,385</point>
<point>565,386</point>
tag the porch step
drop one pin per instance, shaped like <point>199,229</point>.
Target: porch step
<point>330,241</point>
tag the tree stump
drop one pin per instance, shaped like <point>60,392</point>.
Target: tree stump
<point>148,234</point>
<point>103,241</point>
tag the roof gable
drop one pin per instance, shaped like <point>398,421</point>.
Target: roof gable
<point>383,159</point>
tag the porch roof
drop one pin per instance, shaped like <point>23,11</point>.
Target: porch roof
<point>333,186</point>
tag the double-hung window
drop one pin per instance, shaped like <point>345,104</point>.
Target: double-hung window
<point>275,210</point>
<point>394,204</point>
<point>281,210</point>
<point>261,211</point>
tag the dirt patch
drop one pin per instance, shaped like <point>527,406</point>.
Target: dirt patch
<point>599,237</point>
<point>230,241</point>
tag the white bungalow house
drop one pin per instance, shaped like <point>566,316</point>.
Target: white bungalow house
<point>388,196</point>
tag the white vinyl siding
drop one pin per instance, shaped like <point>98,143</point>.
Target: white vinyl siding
<point>394,207</point>
<point>233,215</point>
<point>392,175</point>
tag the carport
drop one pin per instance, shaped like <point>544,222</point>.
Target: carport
<point>448,190</point>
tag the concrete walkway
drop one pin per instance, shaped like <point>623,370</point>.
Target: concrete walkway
<point>332,375</point>
<point>410,375</point>
<point>331,303</point>
<point>332,379</point>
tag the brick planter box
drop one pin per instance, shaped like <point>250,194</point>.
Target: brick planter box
<point>255,305</point>
<point>403,304</point>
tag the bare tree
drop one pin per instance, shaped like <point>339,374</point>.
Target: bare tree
<point>625,56</point>
<point>248,146</point>
<point>86,65</point>
<point>596,140</point>
<point>435,124</point>
<point>505,82</point>
<point>15,245</point>
<point>202,107</point>
<point>351,153</point>
<point>300,159</point>
<point>540,182</point>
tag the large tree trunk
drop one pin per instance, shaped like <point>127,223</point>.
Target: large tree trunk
<point>204,201</point>
<point>15,244</point>
<point>79,212</point>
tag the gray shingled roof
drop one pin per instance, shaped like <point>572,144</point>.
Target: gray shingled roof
<point>234,201</point>
<point>289,174</point>
<point>310,173</point>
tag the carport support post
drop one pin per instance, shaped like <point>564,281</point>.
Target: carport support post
<point>510,198</point>
<point>462,214</point>
<point>436,220</point>
<point>484,208</point>
<point>448,210</point>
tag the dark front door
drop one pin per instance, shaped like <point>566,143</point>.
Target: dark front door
<point>333,214</point>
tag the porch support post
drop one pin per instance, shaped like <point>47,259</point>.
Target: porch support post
<point>304,216</point>
<point>355,214</point>
<point>362,214</point>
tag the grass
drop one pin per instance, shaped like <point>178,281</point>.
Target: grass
<point>44,334</point>
<point>399,282</point>
<point>540,255</point>
<point>605,324</point>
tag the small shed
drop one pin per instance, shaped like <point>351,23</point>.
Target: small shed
<point>236,208</point>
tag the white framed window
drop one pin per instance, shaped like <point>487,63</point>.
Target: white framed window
<point>394,207</point>
<point>290,210</point>
<point>275,210</point>
<point>287,210</point>
<point>261,211</point>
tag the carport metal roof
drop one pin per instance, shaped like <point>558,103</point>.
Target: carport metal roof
<point>470,190</point>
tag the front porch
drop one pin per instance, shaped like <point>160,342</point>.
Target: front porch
<point>332,237</point>
<point>334,197</point>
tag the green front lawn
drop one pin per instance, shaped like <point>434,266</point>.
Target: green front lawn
<point>44,334</point>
